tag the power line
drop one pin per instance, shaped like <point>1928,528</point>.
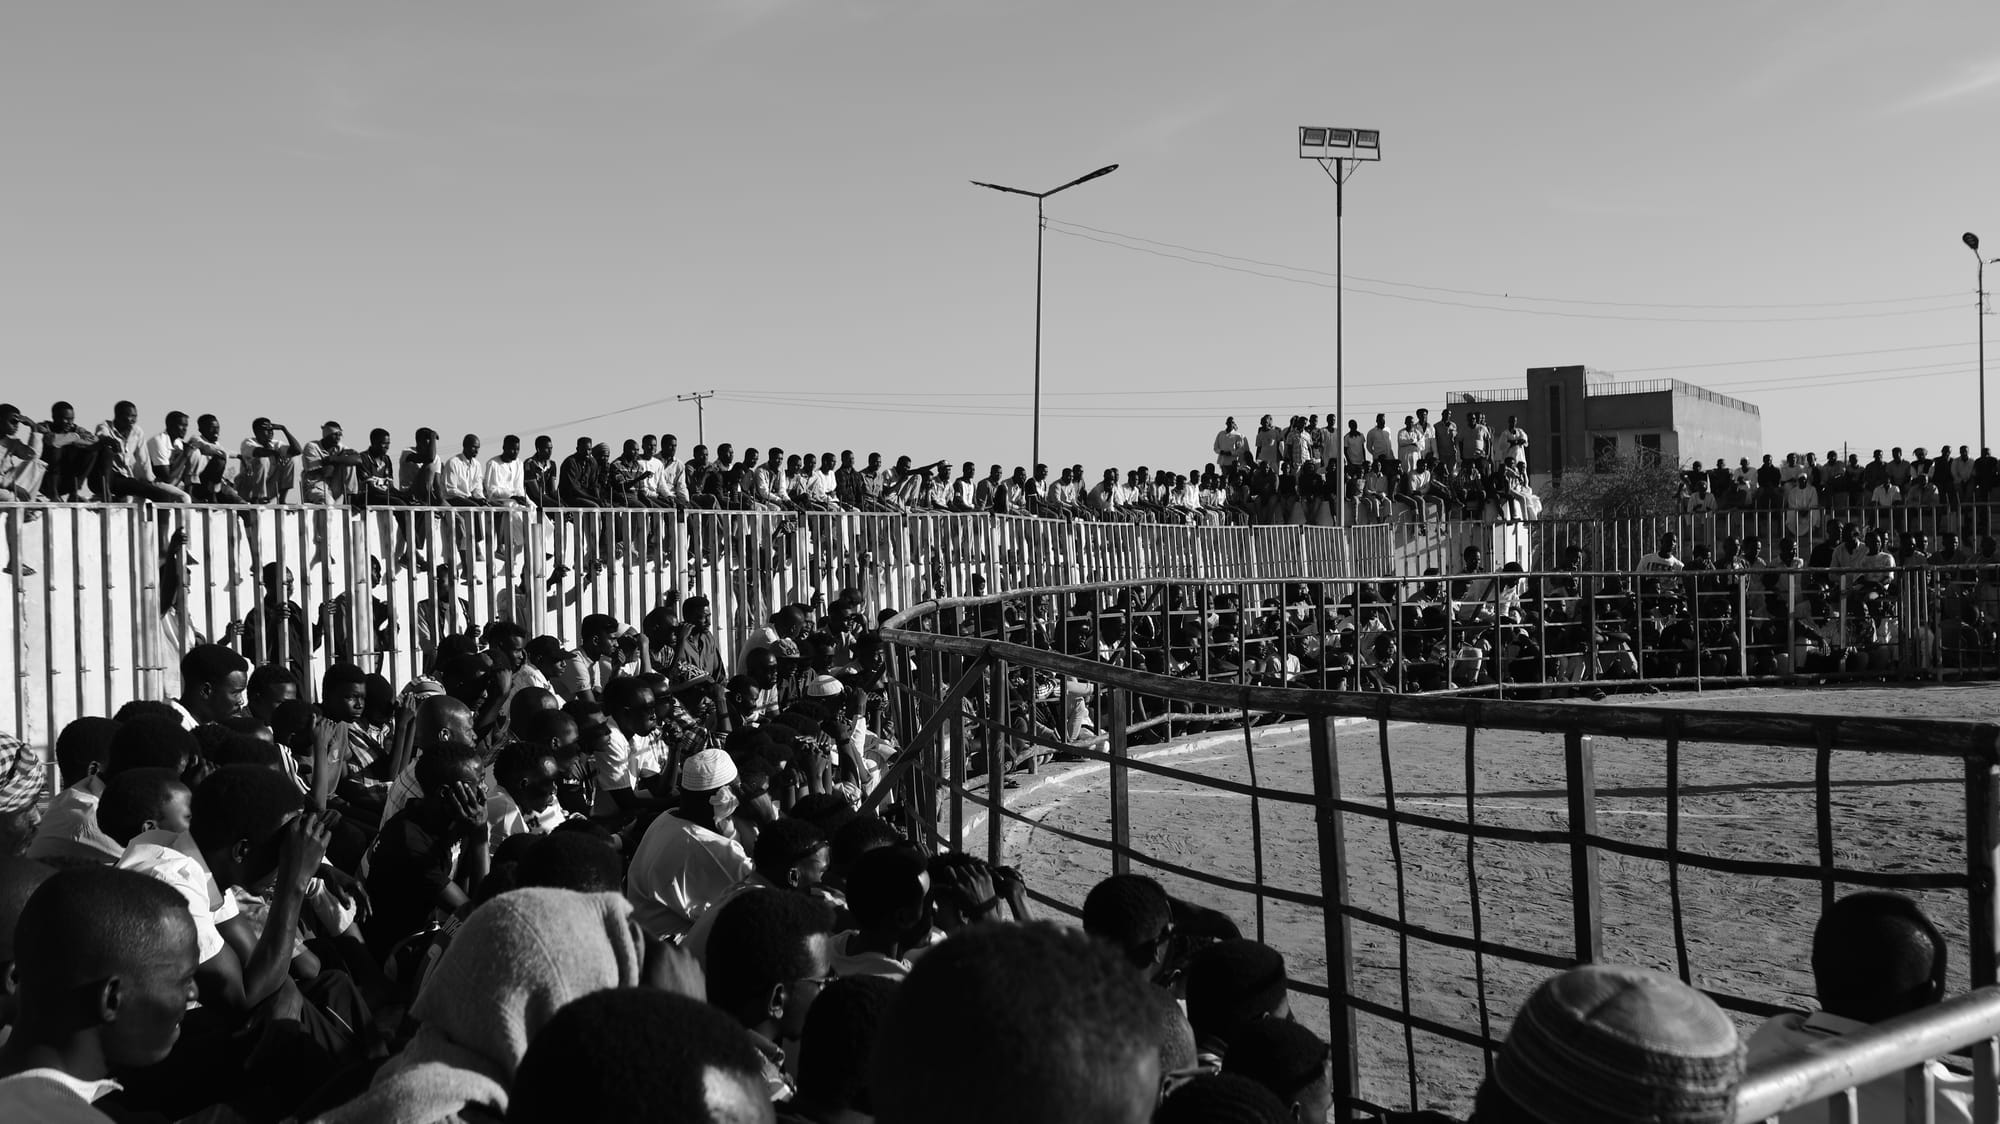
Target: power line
<point>1493,295</point>
<point>1501,308</point>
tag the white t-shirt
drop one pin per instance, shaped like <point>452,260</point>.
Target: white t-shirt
<point>621,765</point>
<point>175,860</point>
<point>1789,1035</point>
<point>679,870</point>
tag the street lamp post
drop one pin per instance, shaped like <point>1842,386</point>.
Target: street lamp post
<point>1041,226</point>
<point>1971,241</point>
<point>1339,153</point>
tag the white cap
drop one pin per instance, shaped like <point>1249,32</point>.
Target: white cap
<point>824,686</point>
<point>707,771</point>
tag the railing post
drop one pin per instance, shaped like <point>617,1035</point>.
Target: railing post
<point>1117,717</point>
<point>998,717</point>
<point>1338,934</point>
<point>1580,776</point>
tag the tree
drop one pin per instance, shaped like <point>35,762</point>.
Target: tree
<point>1620,487</point>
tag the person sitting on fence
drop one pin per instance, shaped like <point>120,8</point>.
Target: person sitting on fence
<point>1875,956</point>
<point>1614,1045</point>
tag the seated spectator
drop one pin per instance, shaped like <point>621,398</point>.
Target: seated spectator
<point>1232,984</point>
<point>1875,956</point>
<point>19,878</point>
<point>888,896</point>
<point>1614,1045</point>
<point>637,1056</point>
<point>834,1051</point>
<point>104,969</point>
<point>689,857</point>
<point>790,854</point>
<point>1290,1061</point>
<point>1222,1098</point>
<point>248,829</point>
<point>515,962</point>
<point>1133,914</point>
<point>21,781</point>
<point>528,775</point>
<point>430,855</point>
<point>580,856</point>
<point>767,961</point>
<point>1081,1049</point>
<point>69,834</point>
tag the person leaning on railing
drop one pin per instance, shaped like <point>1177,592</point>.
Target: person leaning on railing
<point>1875,956</point>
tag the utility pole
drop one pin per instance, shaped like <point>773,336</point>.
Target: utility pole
<point>698,397</point>
<point>1041,225</point>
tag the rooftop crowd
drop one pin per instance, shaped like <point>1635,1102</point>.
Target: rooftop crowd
<point>1477,468</point>
<point>591,895</point>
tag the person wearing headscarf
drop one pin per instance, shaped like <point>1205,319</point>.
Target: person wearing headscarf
<point>515,962</point>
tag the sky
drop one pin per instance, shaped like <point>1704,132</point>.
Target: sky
<point>498,217</point>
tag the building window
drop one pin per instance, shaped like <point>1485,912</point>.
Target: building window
<point>1649,448</point>
<point>1554,455</point>
<point>1603,450</point>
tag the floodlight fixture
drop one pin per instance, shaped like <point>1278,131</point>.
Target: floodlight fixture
<point>1041,225</point>
<point>1339,151</point>
<point>1326,142</point>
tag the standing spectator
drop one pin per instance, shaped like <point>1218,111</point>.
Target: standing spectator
<point>1446,441</point>
<point>1270,440</point>
<point>1516,440</point>
<point>1232,449</point>
<point>1770,481</point>
<point>1381,444</point>
<point>1478,446</point>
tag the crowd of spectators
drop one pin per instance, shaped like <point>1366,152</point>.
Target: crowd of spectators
<point>560,910</point>
<point>1294,473</point>
<point>1806,483</point>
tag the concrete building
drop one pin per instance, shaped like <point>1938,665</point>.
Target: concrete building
<point>1575,416</point>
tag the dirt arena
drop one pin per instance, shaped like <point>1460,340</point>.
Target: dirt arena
<point>1746,936</point>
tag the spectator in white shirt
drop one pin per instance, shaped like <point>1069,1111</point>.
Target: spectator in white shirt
<point>1232,449</point>
<point>1409,445</point>
<point>461,479</point>
<point>1381,444</point>
<point>170,455</point>
<point>503,485</point>
<point>1517,441</point>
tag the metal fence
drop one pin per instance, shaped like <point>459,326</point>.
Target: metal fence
<point>1345,870</point>
<point>103,599</point>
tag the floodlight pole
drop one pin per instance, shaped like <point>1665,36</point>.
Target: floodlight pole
<point>1041,230</point>
<point>1337,169</point>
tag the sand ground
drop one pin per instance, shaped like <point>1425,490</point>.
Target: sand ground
<point>1748,937</point>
